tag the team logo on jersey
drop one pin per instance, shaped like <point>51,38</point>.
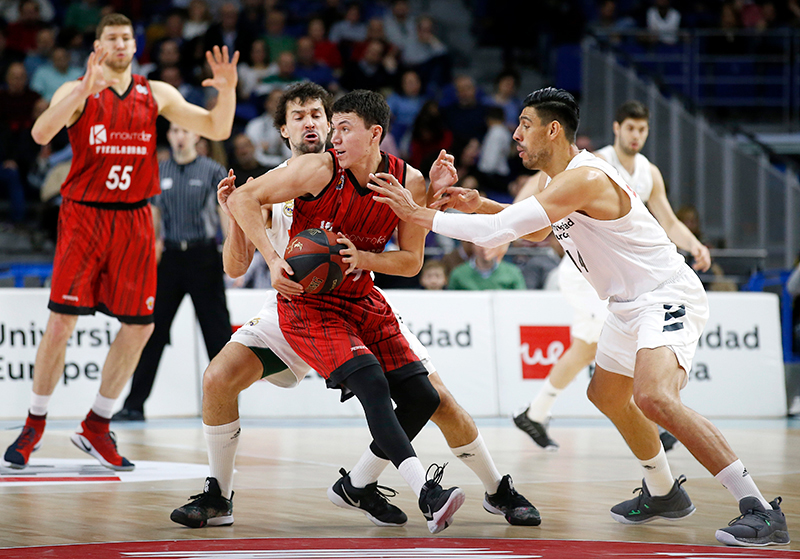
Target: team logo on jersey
<point>540,348</point>
<point>340,185</point>
<point>254,322</point>
<point>288,209</point>
<point>98,134</point>
<point>150,303</point>
<point>141,89</point>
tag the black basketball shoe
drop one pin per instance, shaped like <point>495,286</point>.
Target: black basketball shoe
<point>756,527</point>
<point>372,500</point>
<point>437,504</point>
<point>209,508</point>
<point>537,431</point>
<point>516,508</point>
<point>645,508</point>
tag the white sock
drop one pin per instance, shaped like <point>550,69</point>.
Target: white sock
<point>657,474</point>
<point>104,407</point>
<point>367,470</point>
<point>412,471</point>
<point>39,404</point>
<point>543,403</point>
<point>476,456</point>
<point>222,441</point>
<point>735,478</point>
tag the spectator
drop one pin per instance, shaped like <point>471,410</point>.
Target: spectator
<point>7,56</point>
<point>325,50</point>
<point>244,162</point>
<point>48,78</point>
<point>399,24</point>
<point>22,33</point>
<point>168,54</point>
<point>608,22</point>
<point>253,17</point>
<point>461,253</point>
<point>270,148</point>
<point>348,31</point>
<point>198,21</point>
<point>467,117</point>
<point>375,32</point>
<point>405,106</point>
<point>311,69</point>
<point>434,275</point>
<point>495,150</point>
<point>537,268</point>
<point>12,10</point>
<point>426,54</point>
<point>730,41</point>
<point>280,77</point>
<point>374,71</point>
<point>429,135</point>
<point>487,270</point>
<point>691,218</point>
<point>172,75</point>
<point>506,85</point>
<point>227,32</point>
<point>256,69</point>
<point>331,13</point>
<point>664,21</point>
<point>277,39</point>
<point>45,43</point>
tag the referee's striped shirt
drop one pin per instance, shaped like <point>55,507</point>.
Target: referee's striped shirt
<point>188,199</point>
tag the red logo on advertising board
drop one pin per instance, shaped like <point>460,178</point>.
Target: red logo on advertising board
<point>540,347</point>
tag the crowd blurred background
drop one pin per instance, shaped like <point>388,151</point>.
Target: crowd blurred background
<point>454,73</point>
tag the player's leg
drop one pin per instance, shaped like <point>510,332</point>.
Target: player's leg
<point>47,370</point>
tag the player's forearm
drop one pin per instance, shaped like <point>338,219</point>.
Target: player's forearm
<point>237,252</point>
<point>221,116</point>
<point>684,239</point>
<point>403,263</point>
<point>246,210</point>
<point>489,206</point>
<point>57,117</point>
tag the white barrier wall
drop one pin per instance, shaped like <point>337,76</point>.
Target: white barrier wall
<point>492,349</point>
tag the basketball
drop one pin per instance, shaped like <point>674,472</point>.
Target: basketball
<point>314,256</point>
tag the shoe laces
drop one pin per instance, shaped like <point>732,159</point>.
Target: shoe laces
<point>762,514</point>
<point>379,495</point>
<point>438,473</point>
<point>517,500</point>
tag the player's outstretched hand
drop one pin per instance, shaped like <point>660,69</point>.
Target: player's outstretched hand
<point>465,200</point>
<point>223,69</point>
<point>93,81</point>
<point>392,193</point>
<point>350,254</point>
<point>224,189</point>
<point>443,172</point>
<point>280,274</point>
<point>702,258</point>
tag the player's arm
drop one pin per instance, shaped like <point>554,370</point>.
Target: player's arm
<point>237,250</point>
<point>408,260</point>
<point>69,99</point>
<point>676,230</point>
<point>215,124</point>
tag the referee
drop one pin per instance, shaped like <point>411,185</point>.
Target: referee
<point>190,263</point>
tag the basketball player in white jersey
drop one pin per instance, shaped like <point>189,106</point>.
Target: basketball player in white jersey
<point>259,350</point>
<point>657,308</point>
<point>631,128</point>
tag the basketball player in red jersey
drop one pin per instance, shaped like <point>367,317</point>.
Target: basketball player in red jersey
<point>350,336</point>
<point>105,256</point>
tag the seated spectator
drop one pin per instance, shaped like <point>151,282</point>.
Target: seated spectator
<point>45,43</point>
<point>332,12</point>
<point>325,50</point>
<point>280,77</point>
<point>466,118</point>
<point>270,147</point>
<point>253,16</point>
<point>460,254</point>
<point>608,22</point>
<point>172,75</point>
<point>168,54</point>
<point>495,151</point>
<point>375,32</point>
<point>506,85</point>
<point>400,25</point>
<point>487,270</point>
<point>664,21</point>
<point>429,135</point>
<point>276,37</point>
<point>244,162</point>
<point>374,71</point>
<point>433,275</point>
<point>537,267</point>
<point>349,31</point>
<point>198,20</point>
<point>227,32</point>
<point>311,69</point>
<point>49,77</point>
<point>405,106</point>
<point>256,69</point>
<point>426,54</point>
<point>21,34</point>
<point>11,10</point>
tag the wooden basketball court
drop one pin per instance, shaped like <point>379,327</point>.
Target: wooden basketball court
<point>284,468</point>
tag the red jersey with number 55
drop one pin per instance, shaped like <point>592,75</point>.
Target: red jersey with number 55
<point>114,147</point>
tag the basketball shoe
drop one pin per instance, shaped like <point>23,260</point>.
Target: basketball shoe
<point>537,431</point>
<point>93,437</point>
<point>645,508</point>
<point>437,504</point>
<point>516,508</point>
<point>209,508</point>
<point>756,527</point>
<point>372,500</point>
<point>29,440</point>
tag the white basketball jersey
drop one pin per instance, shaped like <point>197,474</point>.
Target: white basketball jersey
<point>622,258</point>
<point>642,178</point>
<point>278,232</point>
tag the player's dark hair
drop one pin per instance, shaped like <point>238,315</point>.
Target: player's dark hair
<point>632,109</point>
<point>112,20</point>
<point>369,106</point>
<point>556,104</point>
<point>301,93</point>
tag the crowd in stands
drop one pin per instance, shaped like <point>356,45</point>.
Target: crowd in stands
<point>382,45</point>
